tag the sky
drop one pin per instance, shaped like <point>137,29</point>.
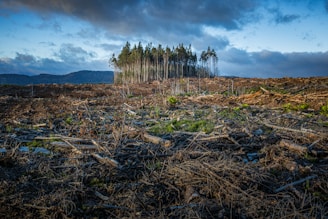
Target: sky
<point>252,38</point>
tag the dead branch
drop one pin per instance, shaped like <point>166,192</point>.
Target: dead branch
<point>213,137</point>
<point>74,149</point>
<point>105,160</point>
<point>101,196</point>
<point>61,144</point>
<point>157,140</point>
<point>264,90</point>
<point>39,125</point>
<point>39,207</point>
<point>295,130</point>
<point>99,146</point>
<point>294,183</point>
<point>292,146</point>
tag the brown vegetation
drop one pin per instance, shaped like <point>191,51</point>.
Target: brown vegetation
<point>214,148</point>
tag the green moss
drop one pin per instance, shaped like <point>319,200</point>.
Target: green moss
<point>288,107</point>
<point>96,182</point>
<point>183,125</point>
<point>172,100</point>
<point>35,143</point>
<point>9,128</point>
<point>154,165</point>
<point>324,110</point>
<point>303,106</point>
<point>310,158</point>
<point>69,120</point>
<point>244,106</point>
<point>234,113</point>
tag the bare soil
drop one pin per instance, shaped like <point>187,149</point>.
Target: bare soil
<point>189,148</point>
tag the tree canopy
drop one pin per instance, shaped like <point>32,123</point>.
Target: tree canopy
<point>141,64</point>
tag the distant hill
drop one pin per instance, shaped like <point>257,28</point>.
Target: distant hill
<point>80,77</point>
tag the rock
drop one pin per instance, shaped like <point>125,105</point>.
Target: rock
<point>258,132</point>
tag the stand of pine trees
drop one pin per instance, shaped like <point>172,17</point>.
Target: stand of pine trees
<point>139,64</point>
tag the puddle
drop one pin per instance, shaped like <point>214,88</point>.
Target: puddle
<point>41,151</point>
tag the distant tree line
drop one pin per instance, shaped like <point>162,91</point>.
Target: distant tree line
<point>138,64</point>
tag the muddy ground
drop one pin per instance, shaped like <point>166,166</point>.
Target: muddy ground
<point>188,148</point>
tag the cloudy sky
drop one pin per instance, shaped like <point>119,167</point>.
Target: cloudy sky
<point>253,38</point>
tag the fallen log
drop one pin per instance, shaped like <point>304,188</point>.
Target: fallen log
<point>106,160</point>
<point>156,140</point>
<point>61,144</point>
<point>292,146</point>
<point>303,131</point>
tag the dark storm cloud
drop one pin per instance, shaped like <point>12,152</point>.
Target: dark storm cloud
<point>25,58</point>
<point>31,65</point>
<point>152,16</point>
<point>280,18</point>
<point>224,13</point>
<point>235,56</point>
<point>273,64</point>
<point>73,54</point>
<point>286,18</point>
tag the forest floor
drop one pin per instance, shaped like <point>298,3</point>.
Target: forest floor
<point>189,148</point>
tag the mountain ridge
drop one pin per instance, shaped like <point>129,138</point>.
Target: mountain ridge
<point>79,77</point>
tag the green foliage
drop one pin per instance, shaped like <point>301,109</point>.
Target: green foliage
<point>9,128</point>
<point>172,100</point>
<point>135,63</point>
<point>183,125</point>
<point>324,110</point>
<point>96,182</point>
<point>234,113</point>
<point>154,165</point>
<point>288,107</point>
<point>35,143</point>
<point>69,120</point>
<point>244,106</point>
<point>310,158</point>
<point>303,106</point>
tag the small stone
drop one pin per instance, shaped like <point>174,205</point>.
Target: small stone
<point>258,132</point>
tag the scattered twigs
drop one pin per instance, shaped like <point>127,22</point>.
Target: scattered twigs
<point>294,183</point>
